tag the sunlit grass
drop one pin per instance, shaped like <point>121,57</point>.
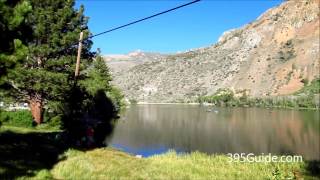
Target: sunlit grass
<point>109,163</point>
<point>99,164</point>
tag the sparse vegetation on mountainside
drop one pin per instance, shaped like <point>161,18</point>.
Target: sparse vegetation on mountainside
<point>275,55</point>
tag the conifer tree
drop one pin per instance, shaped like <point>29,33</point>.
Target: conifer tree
<point>13,33</point>
<point>47,72</point>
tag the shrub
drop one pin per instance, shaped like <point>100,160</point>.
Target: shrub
<point>313,88</point>
<point>305,81</point>
<point>286,52</point>
<point>223,97</point>
<point>133,101</point>
<point>21,118</point>
<point>117,98</point>
<point>52,121</point>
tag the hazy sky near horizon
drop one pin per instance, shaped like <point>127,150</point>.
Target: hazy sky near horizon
<point>194,26</point>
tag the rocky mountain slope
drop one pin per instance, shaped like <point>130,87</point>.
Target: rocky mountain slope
<point>271,56</point>
<point>120,63</point>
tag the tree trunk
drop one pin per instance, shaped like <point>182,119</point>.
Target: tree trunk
<point>36,108</point>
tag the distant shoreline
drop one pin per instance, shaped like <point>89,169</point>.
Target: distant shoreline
<point>210,104</point>
<point>159,103</point>
<point>142,103</point>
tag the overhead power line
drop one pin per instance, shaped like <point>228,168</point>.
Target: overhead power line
<point>128,24</point>
<point>143,19</point>
<point>119,27</point>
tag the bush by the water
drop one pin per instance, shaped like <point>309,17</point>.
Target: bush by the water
<point>307,97</point>
<point>116,97</point>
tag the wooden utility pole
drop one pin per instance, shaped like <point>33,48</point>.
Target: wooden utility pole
<point>76,73</point>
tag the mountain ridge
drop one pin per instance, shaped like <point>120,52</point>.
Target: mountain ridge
<point>271,56</point>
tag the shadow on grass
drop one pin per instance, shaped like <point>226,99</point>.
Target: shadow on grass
<point>24,154</point>
<point>87,120</point>
<point>313,168</point>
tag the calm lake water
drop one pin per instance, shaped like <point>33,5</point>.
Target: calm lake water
<point>154,129</point>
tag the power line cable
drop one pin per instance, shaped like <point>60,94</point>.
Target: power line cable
<point>128,24</point>
<point>143,19</point>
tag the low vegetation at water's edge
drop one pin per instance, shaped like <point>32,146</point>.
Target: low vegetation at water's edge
<point>308,97</point>
<point>109,163</point>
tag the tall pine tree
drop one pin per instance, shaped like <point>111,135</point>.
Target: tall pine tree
<point>13,33</point>
<point>47,72</point>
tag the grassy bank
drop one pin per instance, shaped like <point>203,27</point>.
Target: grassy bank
<point>112,164</point>
<point>37,154</point>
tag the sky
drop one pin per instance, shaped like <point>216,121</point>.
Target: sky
<point>198,25</point>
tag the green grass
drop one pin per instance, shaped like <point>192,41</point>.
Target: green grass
<point>23,119</point>
<point>36,154</point>
<point>20,118</point>
<point>26,130</point>
<point>109,163</point>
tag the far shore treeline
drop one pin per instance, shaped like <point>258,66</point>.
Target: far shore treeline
<point>37,61</point>
<point>305,98</point>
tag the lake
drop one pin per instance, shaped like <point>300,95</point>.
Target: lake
<point>153,129</point>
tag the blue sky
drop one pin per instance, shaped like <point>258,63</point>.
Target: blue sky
<point>194,26</point>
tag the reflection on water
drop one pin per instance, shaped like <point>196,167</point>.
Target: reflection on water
<point>153,129</point>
